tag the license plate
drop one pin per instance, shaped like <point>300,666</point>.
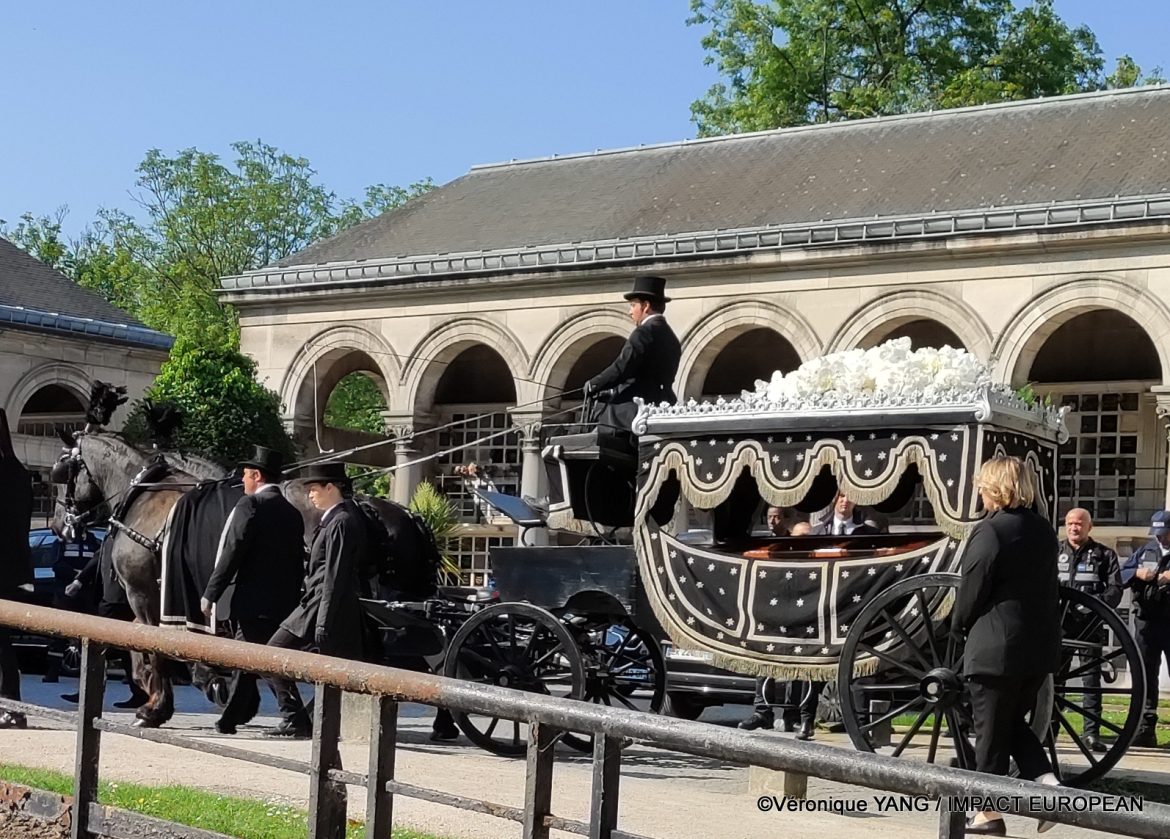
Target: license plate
<point>689,655</point>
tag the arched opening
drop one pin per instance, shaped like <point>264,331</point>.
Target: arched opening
<point>339,406</point>
<point>745,357</point>
<point>1100,364</point>
<point>472,395</point>
<point>591,362</point>
<point>922,332</point>
<point>51,410</point>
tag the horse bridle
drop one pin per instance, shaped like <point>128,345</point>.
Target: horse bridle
<point>77,521</point>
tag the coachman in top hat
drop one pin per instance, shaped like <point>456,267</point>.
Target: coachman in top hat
<point>647,364</point>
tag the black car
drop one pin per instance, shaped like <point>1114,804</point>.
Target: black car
<point>55,565</point>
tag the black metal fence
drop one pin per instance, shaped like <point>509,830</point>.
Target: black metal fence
<point>545,716</point>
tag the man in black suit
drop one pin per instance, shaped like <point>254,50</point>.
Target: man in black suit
<point>16,569</point>
<point>1147,574</point>
<point>262,551</point>
<point>329,616</point>
<point>647,364</point>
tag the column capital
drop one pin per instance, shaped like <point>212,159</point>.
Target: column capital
<point>1161,394</point>
<point>528,424</point>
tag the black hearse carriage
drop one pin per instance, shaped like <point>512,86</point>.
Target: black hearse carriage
<point>868,612</point>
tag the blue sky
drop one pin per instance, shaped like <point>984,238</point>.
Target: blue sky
<point>368,91</point>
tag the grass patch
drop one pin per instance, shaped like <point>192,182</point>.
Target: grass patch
<point>1124,786</point>
<point>241,817</point>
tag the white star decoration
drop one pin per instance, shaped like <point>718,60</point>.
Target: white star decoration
<point>844,575</point>
<point>934,436</point>
<point>722,460</point>
<point>898,567</point>
<point>810,631</point>
<point>871,571</point>
<point>770,647</point>
<point>824,650</point>
<point>800,457</point>
<point>942,458</point>
<point>690,560</point>
<point>734,571</point>
<point>681,578</point>
<point>657,446</point>
<point>694,443</point>
<point>698,461</point>
<point>894,436</point>
<point>775,458</point>
<point>730,621</point>
<point>844,628</point>
<point>773,601</point>
<point>788,439</point>
<point>710,442</point>
<point>850,438</point>
<point>674,554</point>
<point>812,575</point>
<point>783,630</point>
<point>788,575</point>
<point>869,473</point>
<point>711,567</point>
<point>798,649</point>
<point>914,611</point>
<point>925,560</point>
<point>954,438</point>
<point>708,611</point>
<point>654,537</point>
<point>857,458</point>
<point>857,598</point>
<point>763,574</point>
<point>670,596</point>
<point>800,601</point>
<point>719,635</point>
<point>710,476</point>
<point>760,627</point>
<point>872,436</point>
<point>699,584</point>
<point>721,591</point>
<point>881,455</point>
<point>950,482</point>
<point>769,439</point>
<point>690,621</point>
<point>645,464</point>
<point>784,474</point>
<point>661,569</point>
<point>730,442</point>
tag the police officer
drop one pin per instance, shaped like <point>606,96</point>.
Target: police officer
<point>1087,565</point>
<point>1147,574</point>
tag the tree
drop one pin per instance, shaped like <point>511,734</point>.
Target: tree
<point>792,62</point>
<point>225,410</point>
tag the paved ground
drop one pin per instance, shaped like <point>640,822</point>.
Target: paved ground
<point>663,794</point>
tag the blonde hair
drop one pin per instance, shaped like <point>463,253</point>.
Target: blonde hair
<point>1006,482</point>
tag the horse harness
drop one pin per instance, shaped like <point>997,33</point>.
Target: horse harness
<point>147,480</point>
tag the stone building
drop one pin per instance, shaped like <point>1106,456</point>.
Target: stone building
<point>1034,234</point>
<point>55,339</point>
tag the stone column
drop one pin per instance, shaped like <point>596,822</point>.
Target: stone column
<point>532,482</point>
<point>405,477</point>
<point>1161,394</point>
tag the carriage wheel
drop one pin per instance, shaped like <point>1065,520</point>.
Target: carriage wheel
<point>514,645</point>
<point>624,668</point>
<point>918,686</point>
<point>918,681</point>
<point>1094,673</point>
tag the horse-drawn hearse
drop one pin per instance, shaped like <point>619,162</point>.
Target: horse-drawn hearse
<point>870,613</point>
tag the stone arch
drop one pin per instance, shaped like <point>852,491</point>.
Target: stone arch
<point>72,378</point>
<point>431,355</point>
<point>336,352</point>
<point>881,316</point>
<point>1036,321</point>
<point>706,339</point>
<point>555,357</point>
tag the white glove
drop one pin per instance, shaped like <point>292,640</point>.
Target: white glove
<point>72,589</point>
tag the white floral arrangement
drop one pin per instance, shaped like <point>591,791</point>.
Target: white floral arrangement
<point>889,374</point>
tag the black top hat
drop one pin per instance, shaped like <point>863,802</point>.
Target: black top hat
<point>269,461</point>
<point>324,473</point>
<point>649,288</point>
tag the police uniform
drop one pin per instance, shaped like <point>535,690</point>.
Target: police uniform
<point>1152,601</point>
<point>1093,569</point>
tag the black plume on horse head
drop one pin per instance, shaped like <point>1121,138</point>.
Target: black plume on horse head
<point>163,418</point>
<point>104,399</point>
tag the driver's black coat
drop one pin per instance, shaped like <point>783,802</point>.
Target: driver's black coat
<point>16,569</point>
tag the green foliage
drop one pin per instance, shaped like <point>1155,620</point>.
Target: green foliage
<point>1028,396</point>
<point>225,410</point>
<point>443,519</point>
<point>792,62</point>
<point>356,403</point>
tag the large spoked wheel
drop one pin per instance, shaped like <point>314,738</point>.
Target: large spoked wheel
<point>514,645</point>
<point>917,687</point>
<point>1099,690</point>
<point>624,668</point>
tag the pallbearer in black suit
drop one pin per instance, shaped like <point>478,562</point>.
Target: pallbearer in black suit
<point>329,617</point>
<point>1008,603</point>
<point>647,364</point>
<point>261,551</point>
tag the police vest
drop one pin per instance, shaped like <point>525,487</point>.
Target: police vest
<point>1086,569</point>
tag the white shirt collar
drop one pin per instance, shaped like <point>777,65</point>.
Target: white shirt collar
<point>263,487</point>
<point>329,512</point>
<point>650,317</point>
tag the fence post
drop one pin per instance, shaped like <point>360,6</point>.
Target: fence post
<point>383,743</point>
<point>538,781</point>
<point>327,799</point>
<point>89,740</point>
<point>607,767</point>
<point>952,824</point>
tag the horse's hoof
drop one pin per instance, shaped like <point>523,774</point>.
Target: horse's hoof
<point>138,724</point>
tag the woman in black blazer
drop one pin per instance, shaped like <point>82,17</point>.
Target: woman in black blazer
<point>1008,604</point>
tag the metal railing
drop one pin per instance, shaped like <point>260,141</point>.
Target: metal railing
<point>546,717</point>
